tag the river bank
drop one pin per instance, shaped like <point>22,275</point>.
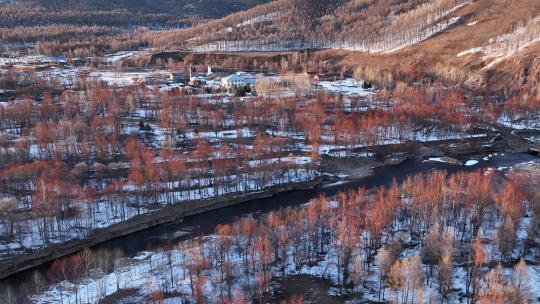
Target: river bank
<point>148,256</point>
<point>165,215</point>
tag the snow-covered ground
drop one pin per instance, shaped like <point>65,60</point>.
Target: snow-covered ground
<point>101,214</point>
<point>120,78</point>
<point>259,19</point>
<point>471,162</point>
<point>121,55</point>
<point>346,87</point>
<point>518,123</point>
<point>505,46</point>
<point>167,270</point>
<point>469,51</point>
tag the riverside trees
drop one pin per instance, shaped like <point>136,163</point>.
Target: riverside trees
<point>194,147</point>
<point>79,159</point>
<point>328,238</point>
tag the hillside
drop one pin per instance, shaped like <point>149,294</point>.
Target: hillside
<point>204,8</point>
<point>84,28</point>
<point>483,44</point>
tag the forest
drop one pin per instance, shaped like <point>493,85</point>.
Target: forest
<point>370,26</point>
<point>256,151</point>
<point>89,28</point>
<point>435,237</point>
<point>379,25</point>
<point>131,150</point>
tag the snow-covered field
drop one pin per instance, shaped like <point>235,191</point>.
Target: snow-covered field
<point>121,55</point>
<point>120,78</point>
<point>518,123</point>
<point>346,87</point>
<point>168,271</point>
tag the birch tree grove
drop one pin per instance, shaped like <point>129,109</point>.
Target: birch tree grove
<point>250,253</point>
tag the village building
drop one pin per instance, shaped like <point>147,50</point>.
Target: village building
<point>197,81</point>
<point>239,79</point>
<point>36,62</point>
<point>153,80</point>
<point>182,78</point>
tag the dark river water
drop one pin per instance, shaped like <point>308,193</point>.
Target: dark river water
<point>205,223</point>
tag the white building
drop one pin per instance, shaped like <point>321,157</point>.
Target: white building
<point>197,80</point>
<point>239,79</point>
<point>32,60</point>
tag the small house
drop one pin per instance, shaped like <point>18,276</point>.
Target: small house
<point>182,78</point>
<point>154,80</point>
<point>239,79</point>
<point>197,81</point>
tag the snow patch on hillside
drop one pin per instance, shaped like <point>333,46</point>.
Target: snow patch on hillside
<point>470,51</point>
<point>436,22</point>
<point>507,45</point>
<point>259,19</point>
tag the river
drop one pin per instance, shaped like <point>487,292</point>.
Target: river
<point>205,223</point>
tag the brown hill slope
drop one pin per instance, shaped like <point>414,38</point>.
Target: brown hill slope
<point>171,8</point>
<point>485,44</point>
<point>77,28</point>
<point>482,22</point>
